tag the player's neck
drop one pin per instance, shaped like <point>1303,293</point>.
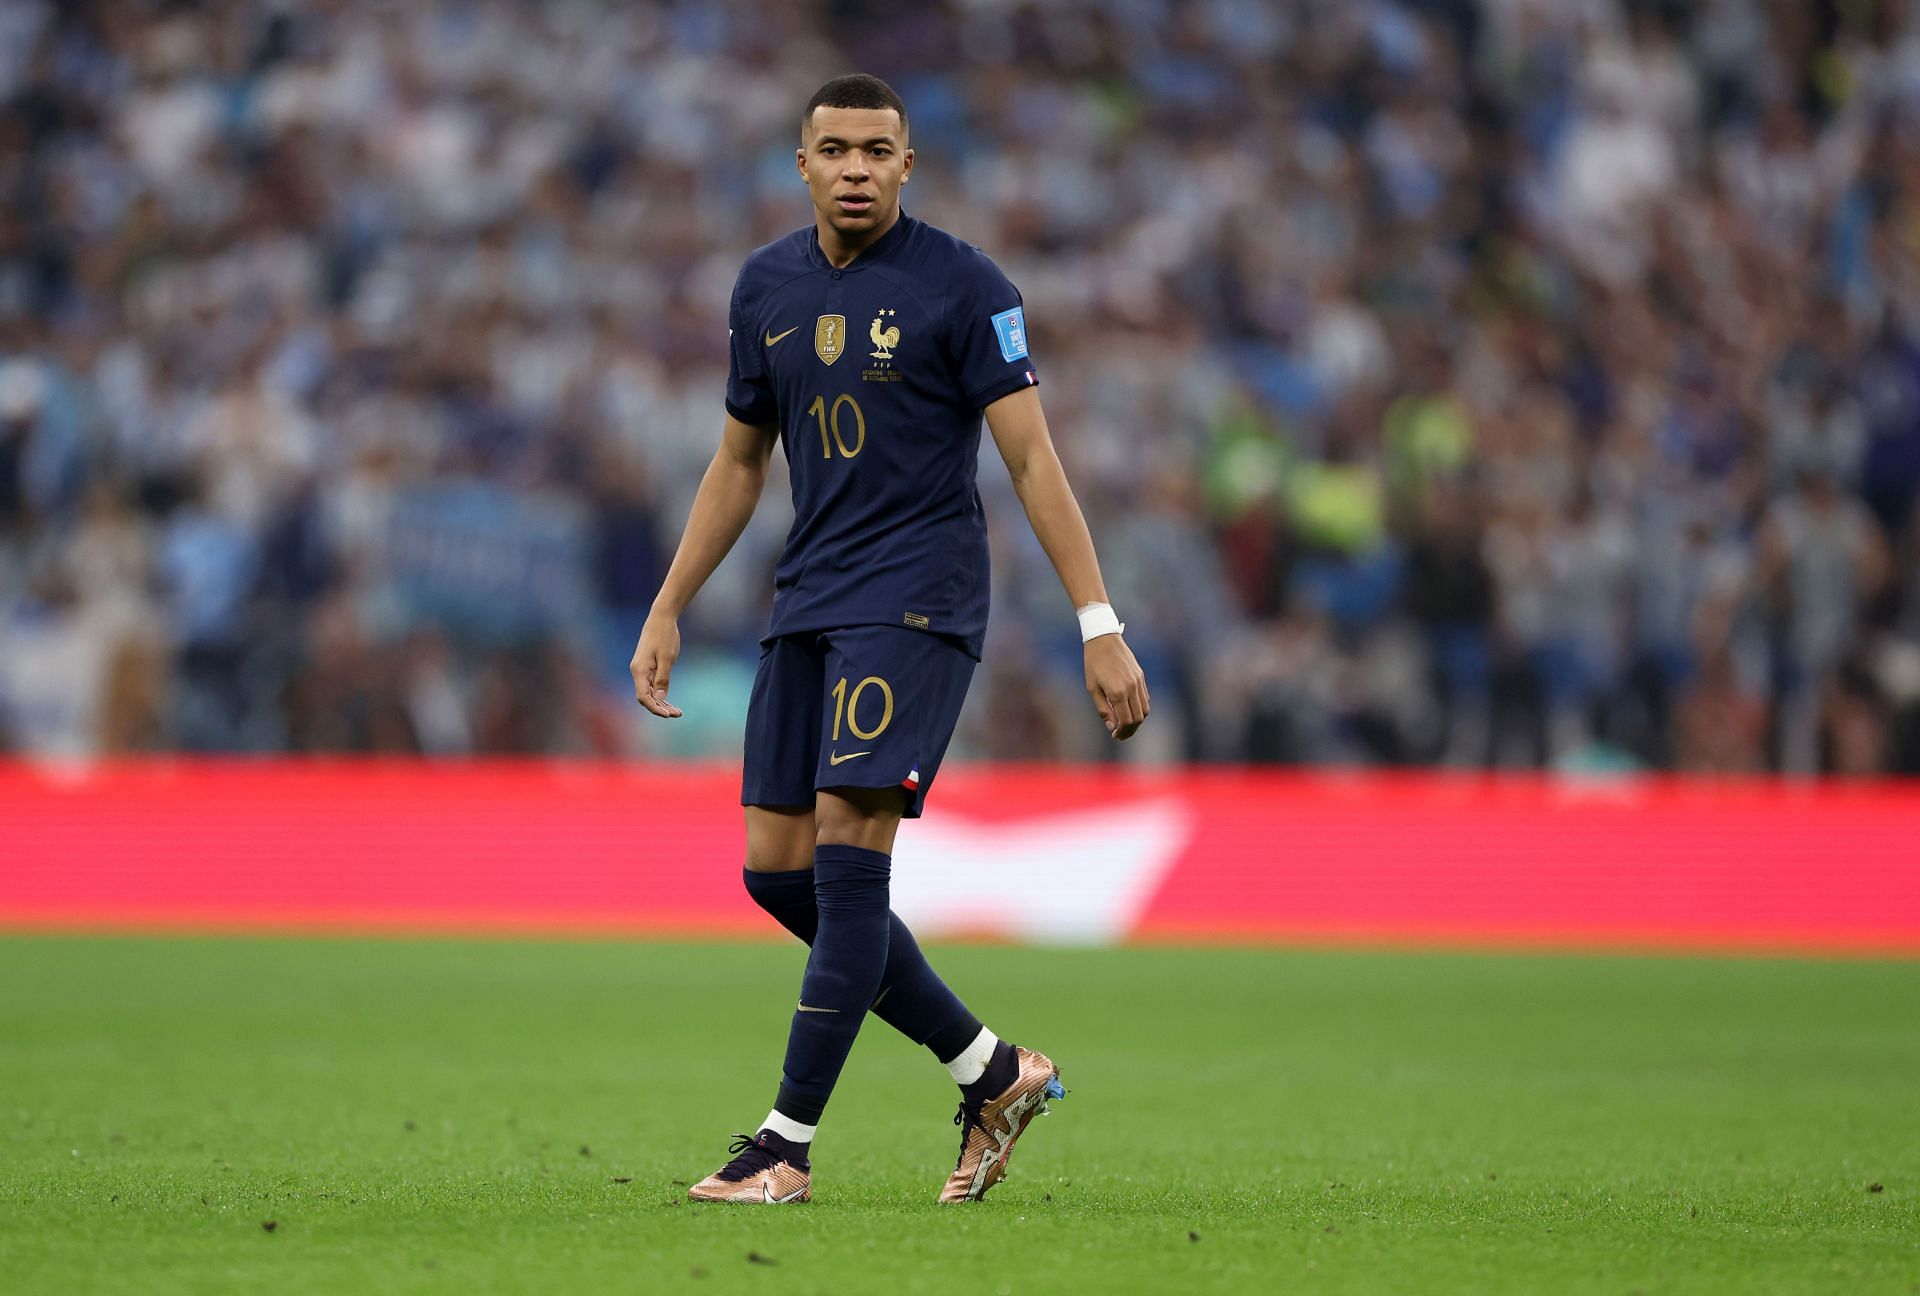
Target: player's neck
<point>841,249</point>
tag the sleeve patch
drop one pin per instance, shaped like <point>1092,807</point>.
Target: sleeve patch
<point>1010,327</point>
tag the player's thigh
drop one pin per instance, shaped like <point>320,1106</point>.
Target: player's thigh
<point>780,839</point>
<point>782,742</point>
<point>891,699</point>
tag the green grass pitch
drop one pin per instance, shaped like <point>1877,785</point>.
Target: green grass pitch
<point>444,1116</point>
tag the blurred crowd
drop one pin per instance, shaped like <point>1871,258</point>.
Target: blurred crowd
<point>1517,383</point>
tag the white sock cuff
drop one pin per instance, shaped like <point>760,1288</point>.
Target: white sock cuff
<point>788,1128</point>
<point>973,1059</point>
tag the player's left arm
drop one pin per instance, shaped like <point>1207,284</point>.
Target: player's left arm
<point>1019,427</point>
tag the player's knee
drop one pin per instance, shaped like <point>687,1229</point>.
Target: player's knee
<point>864,817</point>
<point>779,840</point>
<point>785,860</point>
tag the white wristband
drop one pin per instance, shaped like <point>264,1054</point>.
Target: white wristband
<point>1097,619</point>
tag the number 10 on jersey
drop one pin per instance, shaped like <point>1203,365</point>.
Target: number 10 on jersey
<point>832,426</point>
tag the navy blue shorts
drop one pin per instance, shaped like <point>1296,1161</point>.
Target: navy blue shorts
<point>866,707</point>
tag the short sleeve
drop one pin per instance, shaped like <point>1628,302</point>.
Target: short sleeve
<point>987,328</point>
<point>750,395</point>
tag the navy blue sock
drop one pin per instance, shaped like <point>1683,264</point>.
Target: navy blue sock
<point>913,999</point>
<point>1003,1068</point>
<point>842,978</point>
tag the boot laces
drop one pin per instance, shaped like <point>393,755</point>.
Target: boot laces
<point>968,1119</point>
<point>751,1156</point>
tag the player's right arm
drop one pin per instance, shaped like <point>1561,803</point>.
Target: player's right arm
<point>722,506</point>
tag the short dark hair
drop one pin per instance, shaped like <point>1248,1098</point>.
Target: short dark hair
<point>855,91</point>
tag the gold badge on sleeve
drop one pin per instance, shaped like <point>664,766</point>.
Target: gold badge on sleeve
<point>829,337</point>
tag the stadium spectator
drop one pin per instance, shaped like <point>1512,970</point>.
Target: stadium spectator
<point>1502,382</point>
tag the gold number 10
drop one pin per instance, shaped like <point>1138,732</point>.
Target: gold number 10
<point>850,706</point>
<point>830,421</point>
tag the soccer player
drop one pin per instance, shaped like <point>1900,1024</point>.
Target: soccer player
<point>869,345</point>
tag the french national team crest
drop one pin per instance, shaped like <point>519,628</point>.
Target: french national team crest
<point>829,337</point>
<point>884,333</point>
<point>885,338</point>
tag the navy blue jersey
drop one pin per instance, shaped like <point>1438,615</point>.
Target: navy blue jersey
<point>875,375</point>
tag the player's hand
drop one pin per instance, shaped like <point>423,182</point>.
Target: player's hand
<point>1117,684</point>
<point>652,665</point>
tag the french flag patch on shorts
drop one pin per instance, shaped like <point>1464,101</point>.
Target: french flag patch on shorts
<point>912,781</point>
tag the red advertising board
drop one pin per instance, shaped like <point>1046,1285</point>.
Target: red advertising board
<point>1039,853</point>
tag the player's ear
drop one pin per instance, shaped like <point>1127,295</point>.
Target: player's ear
<point>906,166</point>
<point>800,160</point>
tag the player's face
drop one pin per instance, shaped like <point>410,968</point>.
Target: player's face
<point>854,161</point>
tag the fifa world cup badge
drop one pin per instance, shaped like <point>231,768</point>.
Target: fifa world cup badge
<point>829,337</point>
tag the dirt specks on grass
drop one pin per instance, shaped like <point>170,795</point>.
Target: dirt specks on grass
<point>754,1257</point>
<point>1192,1236</point>
<point>623,1178</point>
<point>1876,1186</point>
<point>269,1225</point>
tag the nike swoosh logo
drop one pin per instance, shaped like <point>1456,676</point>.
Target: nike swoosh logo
<point>775,337</point>
<point>835,759</point>
<point>804,1008</point>
<point>766,1190</point>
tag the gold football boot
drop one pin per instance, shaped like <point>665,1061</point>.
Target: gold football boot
<point>756,1175</point>
<point>987,1134</point>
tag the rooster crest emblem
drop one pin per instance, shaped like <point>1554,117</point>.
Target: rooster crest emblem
<point>884,338</point>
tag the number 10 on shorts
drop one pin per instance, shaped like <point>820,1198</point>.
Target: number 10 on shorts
<point>849,706</point>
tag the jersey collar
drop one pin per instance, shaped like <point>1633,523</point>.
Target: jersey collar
<point>879,250</point>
